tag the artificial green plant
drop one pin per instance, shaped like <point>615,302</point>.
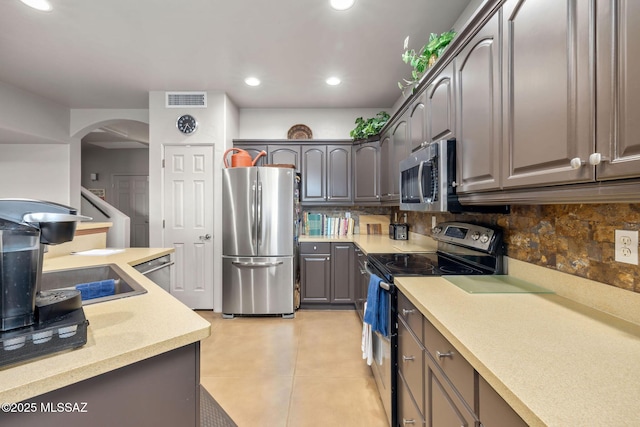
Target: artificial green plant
<point>425,58</point>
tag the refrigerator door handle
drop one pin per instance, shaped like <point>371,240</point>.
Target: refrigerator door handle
<point>259,215</point>
<point>254,237</point>
<point>256,264</point>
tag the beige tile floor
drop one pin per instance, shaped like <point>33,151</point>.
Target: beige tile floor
<point>307,371</point>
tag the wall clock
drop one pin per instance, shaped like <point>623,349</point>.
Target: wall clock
<point>187,124</point>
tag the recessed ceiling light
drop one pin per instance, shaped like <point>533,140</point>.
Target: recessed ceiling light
<point>42,5</point>
<point>341,4</point>
<point>333,81</point>
<point>252,81</point>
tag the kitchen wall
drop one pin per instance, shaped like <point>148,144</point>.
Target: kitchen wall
<point>325,123</point>
<point>35,144</point>
<point>217,126</point>
<point>577,239</point>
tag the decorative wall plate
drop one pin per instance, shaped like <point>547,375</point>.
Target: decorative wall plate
<point>299,132</point>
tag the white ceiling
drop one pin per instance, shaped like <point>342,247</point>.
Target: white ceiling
<point>110,54</point>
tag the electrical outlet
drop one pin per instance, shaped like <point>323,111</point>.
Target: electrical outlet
<point>626,246</point>
<point>433,221</point>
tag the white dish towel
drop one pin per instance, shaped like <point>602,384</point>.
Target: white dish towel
<point>367,348</point>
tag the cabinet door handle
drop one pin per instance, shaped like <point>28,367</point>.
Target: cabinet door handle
<point>447,354</point>
<point>597,158</point>
<point>408,358</point>
<point>407,422</point>
<point>577,162</point>
<point>408,311</point>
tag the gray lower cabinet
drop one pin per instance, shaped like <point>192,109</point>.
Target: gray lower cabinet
<point>366,172</point>
<point>494,411</point>
<point>315,272</point>
<point>438,387</point>
<point>327,273</point>
<point>360,280</point>
<point>163,390</point>
<point>410,376</point>
<point>342,273</point>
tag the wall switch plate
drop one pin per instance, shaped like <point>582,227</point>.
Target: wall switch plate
<point>627,246</point>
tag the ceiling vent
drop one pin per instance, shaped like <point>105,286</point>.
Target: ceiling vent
<point>186,100</point>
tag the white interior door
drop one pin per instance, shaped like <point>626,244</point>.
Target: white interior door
<point>132,199</point>
<point>188,208</point>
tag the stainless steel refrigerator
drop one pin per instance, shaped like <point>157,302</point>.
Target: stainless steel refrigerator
<point>259,236</point>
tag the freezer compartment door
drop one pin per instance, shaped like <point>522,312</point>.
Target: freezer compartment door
<point>257,285</point>
<point>275,211</point>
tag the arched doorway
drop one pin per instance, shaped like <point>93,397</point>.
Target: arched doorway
<point>114,163</point>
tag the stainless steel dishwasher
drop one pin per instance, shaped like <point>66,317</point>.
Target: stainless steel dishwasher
<point>158,270</point>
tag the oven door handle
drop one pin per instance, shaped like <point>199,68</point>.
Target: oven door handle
<point>383,284</point>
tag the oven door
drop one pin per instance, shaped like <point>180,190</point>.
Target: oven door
<point>384,354</point>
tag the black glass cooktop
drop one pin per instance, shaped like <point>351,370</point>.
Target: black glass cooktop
<point>418,264</point>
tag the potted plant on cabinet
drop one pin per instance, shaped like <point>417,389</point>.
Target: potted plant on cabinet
<point>421,61</point>
<point>367,128</point>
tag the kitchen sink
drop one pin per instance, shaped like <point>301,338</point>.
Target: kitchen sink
<point>125,285</point>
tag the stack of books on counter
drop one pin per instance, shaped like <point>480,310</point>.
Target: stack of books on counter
<point>323,225</point>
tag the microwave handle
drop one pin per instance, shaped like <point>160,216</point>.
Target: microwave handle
<point>420,192</point>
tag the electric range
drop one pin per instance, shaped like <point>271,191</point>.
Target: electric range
<point>463,249</point>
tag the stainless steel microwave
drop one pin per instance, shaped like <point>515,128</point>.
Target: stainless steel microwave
<point>426,178</point>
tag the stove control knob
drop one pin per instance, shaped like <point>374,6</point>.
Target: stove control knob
<point>484,238</point>
<point>475,235</point>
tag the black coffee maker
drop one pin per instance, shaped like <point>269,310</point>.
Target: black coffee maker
<point>33,323</point>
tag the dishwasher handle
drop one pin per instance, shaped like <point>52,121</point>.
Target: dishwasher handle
<point>167,264</point>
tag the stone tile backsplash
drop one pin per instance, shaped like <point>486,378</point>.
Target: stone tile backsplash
<point>577,239</point>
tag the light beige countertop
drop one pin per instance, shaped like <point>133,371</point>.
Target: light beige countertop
<point>555,361</point>
<point>380,243</point>
<point>564,359</point>
<point>120,332</point>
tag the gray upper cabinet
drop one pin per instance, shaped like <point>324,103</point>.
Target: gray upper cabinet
<point>418,122</point>
<point>366,172</point>
<point>284,154</point>
<point>618,93</point>
<point>314,173</point>
<point>326,173</point>
<point>394,146</point>
<point>479,120</point>
<point>339,173</point>
<point>441,106</point>
<point>548,97</point>
<point>385,162</point>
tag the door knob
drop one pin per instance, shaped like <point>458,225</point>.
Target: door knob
<point>205,237</point>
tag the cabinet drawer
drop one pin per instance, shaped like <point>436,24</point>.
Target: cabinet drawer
<point>411,362</point>
<point>455,367</point>
<point>408,412</point>
<point>315,248</point>
<point>410,314</point>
